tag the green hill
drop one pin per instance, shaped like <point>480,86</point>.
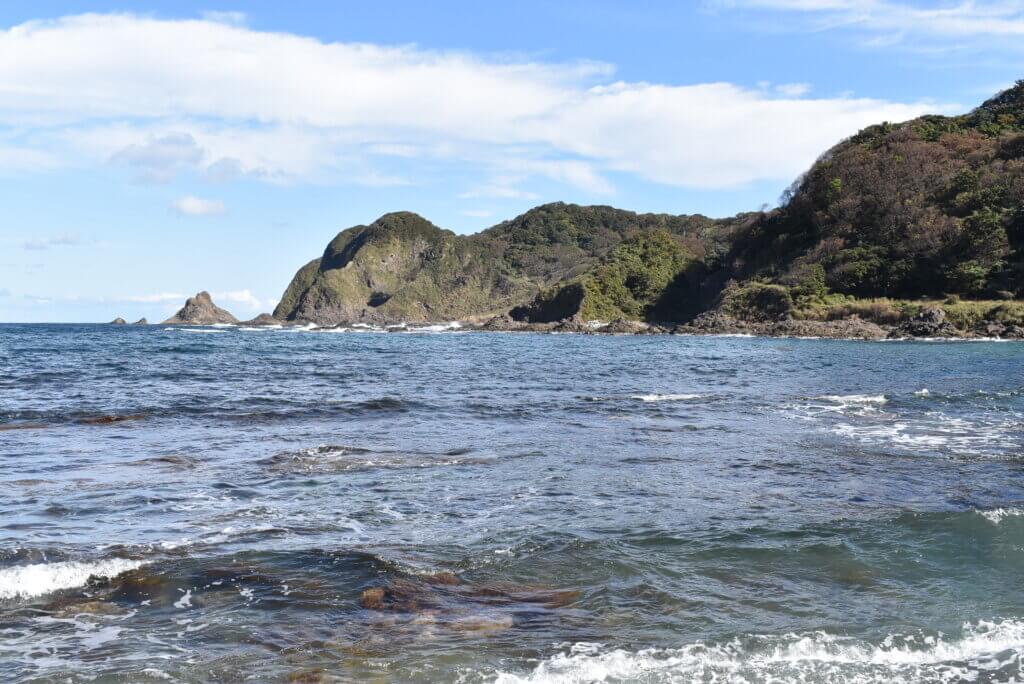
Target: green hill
<point>928,208</point>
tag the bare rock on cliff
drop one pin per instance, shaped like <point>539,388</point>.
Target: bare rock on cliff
<point>200,310</point>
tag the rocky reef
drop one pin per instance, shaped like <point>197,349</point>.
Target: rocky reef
<point>200,310</point>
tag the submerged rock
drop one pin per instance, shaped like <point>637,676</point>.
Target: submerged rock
<point>118,321</point>
<point>200,310</point>
<point>110,420</point>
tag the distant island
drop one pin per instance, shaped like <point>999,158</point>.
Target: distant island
<point>912,229</point>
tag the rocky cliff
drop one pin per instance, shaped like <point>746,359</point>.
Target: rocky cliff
<point>200,310</point>
<point>404,268</point>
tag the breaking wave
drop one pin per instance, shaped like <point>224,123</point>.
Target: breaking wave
<point>993,647</point>
<point>27,581</point>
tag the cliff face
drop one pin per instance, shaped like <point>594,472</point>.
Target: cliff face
<point>926,208</point>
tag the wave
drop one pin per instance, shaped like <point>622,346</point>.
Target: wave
<point>990,646</point>
<point>27,581</point>
<point>666,397</point>
<point>997,515</point>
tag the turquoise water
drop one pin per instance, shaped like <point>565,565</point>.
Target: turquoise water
<point>222,504</point>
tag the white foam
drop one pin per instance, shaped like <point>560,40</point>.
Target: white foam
<point>666,397</point>
<point>997,515</point>
<point>437,327</point>
<point>185,601</point>
<point>922,392</point>
<point>200,330</point>
<point>854,398</point>
<point>26,581</point>
<point>810,657</point>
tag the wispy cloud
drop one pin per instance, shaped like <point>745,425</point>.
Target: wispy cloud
<point>243,297</point>
<point>477,213</point>
<point>296,109</point>
<point>154,298</point>
<point>189,205</point>
<point>891,23</point>
<point>158,159</point>
<point>62,240</point>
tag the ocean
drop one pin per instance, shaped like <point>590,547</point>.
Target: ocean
<point>271,505</point>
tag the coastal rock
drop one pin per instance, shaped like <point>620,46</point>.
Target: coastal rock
<point>200,310</point>
<point>503,323</point>
<point>929,322</point>
<point>141,321</point>
<point>118,321</point>
<point>264,319</point>
<point>621,326</point>
<point>851,328</point>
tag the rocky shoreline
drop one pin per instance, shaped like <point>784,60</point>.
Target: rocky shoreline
<point>929,323</point>
<point>926,326</point>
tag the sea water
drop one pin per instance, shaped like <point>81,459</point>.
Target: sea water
<point>233,504</point>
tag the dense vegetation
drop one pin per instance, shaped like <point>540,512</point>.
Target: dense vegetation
<point>931,208</point>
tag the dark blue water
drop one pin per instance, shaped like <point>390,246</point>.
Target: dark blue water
<point>241,505</point>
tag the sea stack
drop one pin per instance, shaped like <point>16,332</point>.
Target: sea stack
<point>200,310</point>
<point>141,321</point>
<point>118,321</point>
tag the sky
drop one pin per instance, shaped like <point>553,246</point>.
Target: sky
<point>152,150</point>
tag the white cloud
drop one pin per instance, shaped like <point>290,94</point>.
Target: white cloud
<point>159,159</point>
<point>233,18</point>
<point>287,108</point>
<point>793,89</point>
<point>243,297</point>
<point>190,205</point>
<point>62,240</point>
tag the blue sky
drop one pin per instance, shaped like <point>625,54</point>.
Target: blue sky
<point>151,150</point>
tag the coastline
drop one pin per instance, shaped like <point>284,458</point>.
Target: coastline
<point>711,326</point>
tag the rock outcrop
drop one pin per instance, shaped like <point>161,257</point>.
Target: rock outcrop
<point>263,320</point>
<point>200,310</point>
<point>402,268</point>
<point>118,321</point>
<point>141,321</point>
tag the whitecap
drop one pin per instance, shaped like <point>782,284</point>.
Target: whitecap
<point>997,515</point>
<point>185,601</point>
<point>666,397</point>
<point>922,392</point>
<point>26,581</point>
<point>854,398</point>
<point>436,327</point>
<point>200,330</point>
<point>807,657</point>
